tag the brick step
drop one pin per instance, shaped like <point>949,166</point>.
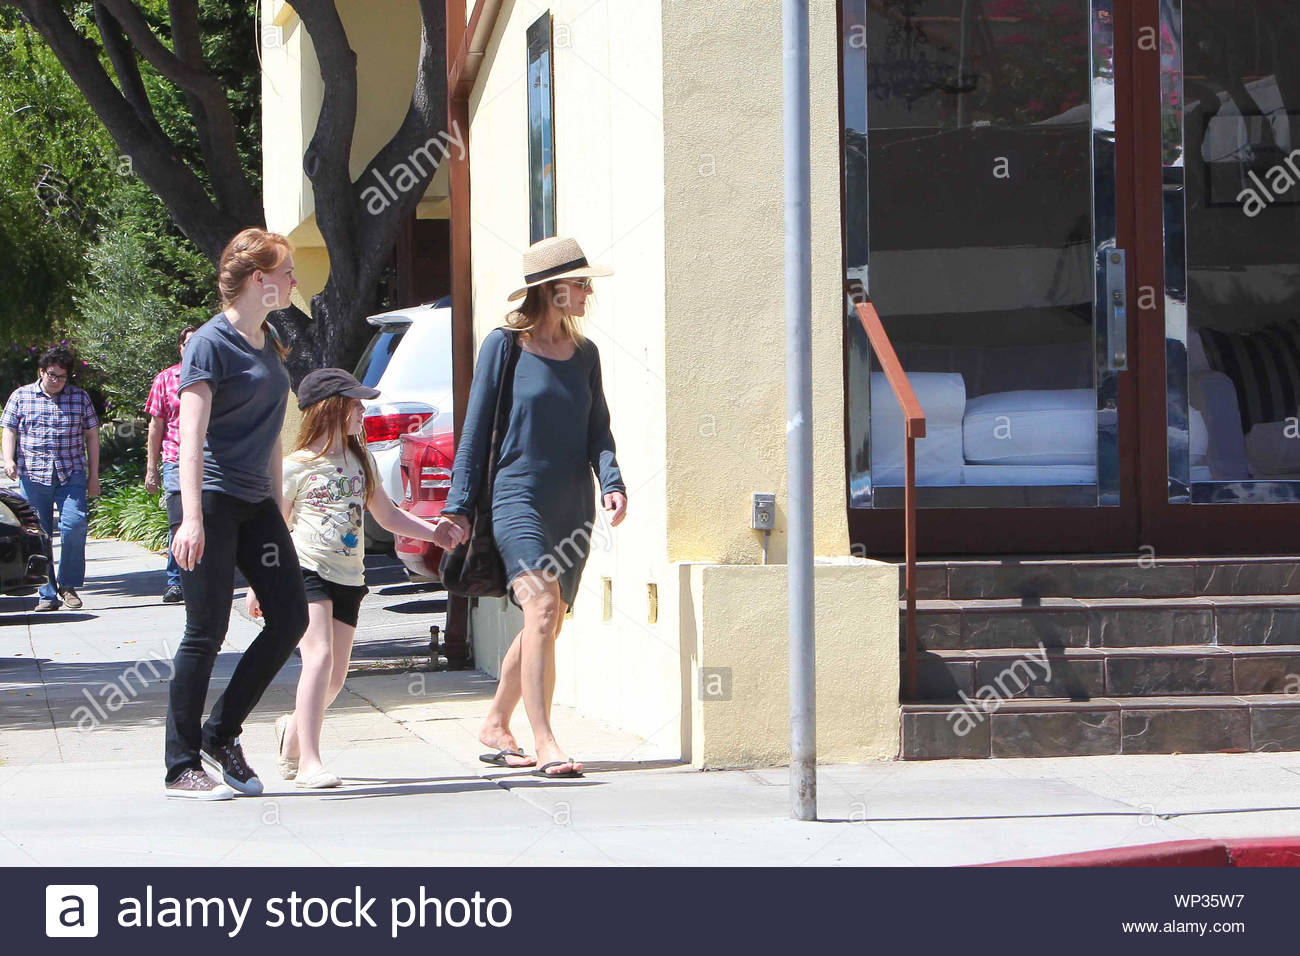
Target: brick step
<point>1102,577</point>
<point>1105,622</point>
<point>1091,672</point>
<point>1101,726</point>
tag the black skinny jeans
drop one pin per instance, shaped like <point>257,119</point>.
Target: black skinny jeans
<point>253,538</point>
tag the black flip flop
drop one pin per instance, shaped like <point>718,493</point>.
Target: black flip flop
<point>498,759</point>
<point>568,775</point>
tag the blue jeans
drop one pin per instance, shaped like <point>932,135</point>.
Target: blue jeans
<point>171,482</point>
<point>70,497</point>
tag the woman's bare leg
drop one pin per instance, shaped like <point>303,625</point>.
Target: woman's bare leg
<point>495,732</point>
<point>550,682</point>
<point>543,608</point>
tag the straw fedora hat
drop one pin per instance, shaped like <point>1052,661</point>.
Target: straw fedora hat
<point>558,257</point>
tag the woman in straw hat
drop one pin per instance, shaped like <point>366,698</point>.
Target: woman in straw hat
<point>557,436</point>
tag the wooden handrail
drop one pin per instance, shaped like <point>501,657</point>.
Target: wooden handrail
<point>914,421</point>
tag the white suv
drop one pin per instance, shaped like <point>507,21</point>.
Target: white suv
<point>409,361</point>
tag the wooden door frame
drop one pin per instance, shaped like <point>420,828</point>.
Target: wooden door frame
<point>1108,530</point>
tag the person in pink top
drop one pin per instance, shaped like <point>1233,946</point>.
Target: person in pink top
<point>164,410</point>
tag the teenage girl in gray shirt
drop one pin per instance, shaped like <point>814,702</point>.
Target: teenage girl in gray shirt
<point>233,392</point>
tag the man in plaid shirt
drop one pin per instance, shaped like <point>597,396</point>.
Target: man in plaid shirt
<point>51,445</point>
<point>164,411</point>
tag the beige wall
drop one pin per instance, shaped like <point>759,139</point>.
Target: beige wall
<point>670,170</point>
<point>734,633</point>
<point>725,269</point>
<point>385,35</point>
<point>291,98</point>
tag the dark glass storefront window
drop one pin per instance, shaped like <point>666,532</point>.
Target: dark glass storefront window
<point>978,165</point>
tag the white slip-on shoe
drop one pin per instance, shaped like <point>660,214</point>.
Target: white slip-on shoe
<point>287,766</point>
<point>318,779</point>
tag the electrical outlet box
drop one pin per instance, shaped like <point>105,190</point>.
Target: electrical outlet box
<point>764,514</point>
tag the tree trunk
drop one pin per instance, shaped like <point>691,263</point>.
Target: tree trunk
<point>334,335</point>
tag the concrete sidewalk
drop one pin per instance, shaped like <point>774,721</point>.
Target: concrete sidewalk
<point>415,792</point>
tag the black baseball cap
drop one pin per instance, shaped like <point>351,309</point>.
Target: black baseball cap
<point>323,382</point>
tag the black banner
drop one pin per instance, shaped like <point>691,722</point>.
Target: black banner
<point>1125,910</point>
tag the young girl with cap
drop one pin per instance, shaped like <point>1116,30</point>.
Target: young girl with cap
<point>329,481</point>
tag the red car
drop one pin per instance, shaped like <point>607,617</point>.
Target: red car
<point>425,463</point>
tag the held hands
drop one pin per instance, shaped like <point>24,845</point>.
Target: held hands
<point>187,545</point>
<point>450,531</point>
<point>616,503</point>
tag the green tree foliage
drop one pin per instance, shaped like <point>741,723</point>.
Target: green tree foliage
<point>55,170</point>
<point>87,252</point>
<point>137,293</point>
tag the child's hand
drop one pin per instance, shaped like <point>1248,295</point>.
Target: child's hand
<point>251,605</point>
<point>450,531</point>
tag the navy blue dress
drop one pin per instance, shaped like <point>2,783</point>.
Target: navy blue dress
<point>557,437</point>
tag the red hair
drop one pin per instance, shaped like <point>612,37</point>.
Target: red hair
<point>253,250</point>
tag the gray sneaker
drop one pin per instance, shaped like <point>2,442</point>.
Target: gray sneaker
<point>197,785</point>
<point>47,604</point>
<point>70,599</point>
<point>228,757</point>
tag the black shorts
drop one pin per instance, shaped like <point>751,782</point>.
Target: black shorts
<point>346,597</point>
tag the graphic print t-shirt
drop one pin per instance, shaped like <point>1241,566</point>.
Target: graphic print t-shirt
<point>328,494</point>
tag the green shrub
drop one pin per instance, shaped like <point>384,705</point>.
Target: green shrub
<point>129,512</point>
<point>122,453</point>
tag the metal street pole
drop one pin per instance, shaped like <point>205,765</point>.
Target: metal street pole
<point>798,406</point>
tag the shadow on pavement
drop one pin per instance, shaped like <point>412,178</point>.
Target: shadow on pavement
<point>57,617</point>
<point>126,584</point>
<point>401,787</point>
<point>410,587</point>
<point>431,606</point>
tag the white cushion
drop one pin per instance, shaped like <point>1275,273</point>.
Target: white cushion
<point>1273,449</point>
<point>1022,475</point>
<point>938,455</point>
<point>1032,427</point>
<point>1215,397</point>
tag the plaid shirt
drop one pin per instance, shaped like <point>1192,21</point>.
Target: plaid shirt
<point>51,431</point>
<point>165,402</point>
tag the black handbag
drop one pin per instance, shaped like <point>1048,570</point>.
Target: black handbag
<point>474,568</point>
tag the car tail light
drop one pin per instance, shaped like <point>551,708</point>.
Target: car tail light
<point>426,466</point>
<point>390,423</point>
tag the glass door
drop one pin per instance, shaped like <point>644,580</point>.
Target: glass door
<point>1230,107</point>
<point>981,219</point>
<point>1217,187</point>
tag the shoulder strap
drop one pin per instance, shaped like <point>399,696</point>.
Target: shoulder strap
<point>505,393</point>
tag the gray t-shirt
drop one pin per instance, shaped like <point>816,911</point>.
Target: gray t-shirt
<point>250,389</point>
